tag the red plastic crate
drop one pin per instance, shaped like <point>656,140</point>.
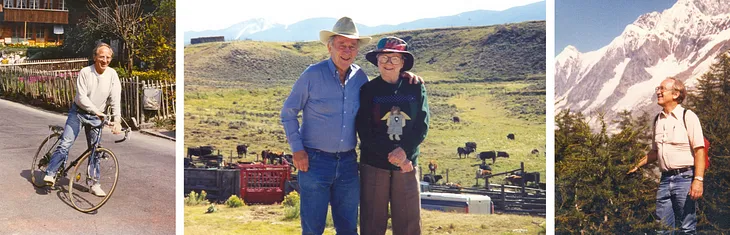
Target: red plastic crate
<point>263,184</point>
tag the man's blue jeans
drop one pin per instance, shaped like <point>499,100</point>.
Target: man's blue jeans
<point>673,203</point>
<point>70,131</point>
<point>332,179</point>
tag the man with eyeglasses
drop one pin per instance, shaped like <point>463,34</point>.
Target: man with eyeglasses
<point>678,146</point>
<point>323,147</point>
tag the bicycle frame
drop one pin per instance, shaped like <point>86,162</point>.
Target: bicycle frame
<point>95,144</point>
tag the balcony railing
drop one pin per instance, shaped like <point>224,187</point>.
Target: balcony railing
<point>35,16</point>
<point>45,5</point>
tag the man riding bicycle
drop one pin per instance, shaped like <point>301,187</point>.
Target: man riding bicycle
<point>97,87</point>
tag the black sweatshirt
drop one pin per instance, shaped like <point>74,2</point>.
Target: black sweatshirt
<point>382,103</point>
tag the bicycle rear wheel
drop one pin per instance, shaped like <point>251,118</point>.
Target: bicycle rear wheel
<point>82,178</point>
<point>42,158</point>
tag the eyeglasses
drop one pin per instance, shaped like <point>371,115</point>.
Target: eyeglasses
<point>395,60</point>
<point>662,89</point>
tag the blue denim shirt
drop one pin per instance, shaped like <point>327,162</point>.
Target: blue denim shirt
<point>328,108</point>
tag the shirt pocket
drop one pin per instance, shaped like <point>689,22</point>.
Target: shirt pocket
<point>325,101</point>
<point>678,136</point>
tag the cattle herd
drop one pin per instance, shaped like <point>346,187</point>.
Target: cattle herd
<point>210,160</point>
<point>206,155</point>
<point>484,170</point>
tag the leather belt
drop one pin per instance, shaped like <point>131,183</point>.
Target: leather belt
<point>676,171</point>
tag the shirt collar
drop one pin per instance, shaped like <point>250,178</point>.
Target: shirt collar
<point>331,65</point>
<point>676,112</point>
<point>93,69</point>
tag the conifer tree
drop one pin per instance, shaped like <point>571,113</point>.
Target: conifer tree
<point>711,102</point>
<point>593,192</point>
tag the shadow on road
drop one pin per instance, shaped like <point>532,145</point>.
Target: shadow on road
<point>61,187</point>
<point>39,190</point>
<point>63,195</point>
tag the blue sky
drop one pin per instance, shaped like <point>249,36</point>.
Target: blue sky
<point>591,24</point>
<point>196,15</point>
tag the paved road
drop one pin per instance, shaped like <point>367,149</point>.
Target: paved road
<point>143,203</point>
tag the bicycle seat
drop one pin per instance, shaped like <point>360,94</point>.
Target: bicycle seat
<point>56,128</point>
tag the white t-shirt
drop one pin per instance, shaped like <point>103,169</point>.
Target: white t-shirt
<point>95,91</point>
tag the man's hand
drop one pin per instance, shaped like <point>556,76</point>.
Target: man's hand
<point>636,168</point>
<point>412,77</point>
<point>301,160</point>
<point>406,166</point>
<point>116,128</point>
<point>100,115</point>
<point>397,156</point>
<point>695,191</point>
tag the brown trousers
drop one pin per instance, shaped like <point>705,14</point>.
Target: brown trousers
<point>378,187</point>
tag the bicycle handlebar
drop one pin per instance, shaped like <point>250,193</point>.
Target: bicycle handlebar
<point>105,121</point>
<point>126,135</point>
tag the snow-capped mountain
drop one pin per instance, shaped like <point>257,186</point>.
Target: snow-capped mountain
<point>681,41</point>
<point>307,30</point>
<point>237,31</point>
<point>249,27</point>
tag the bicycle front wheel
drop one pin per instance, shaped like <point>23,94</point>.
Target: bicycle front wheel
<point>42,158</point>
<point>92,183</point>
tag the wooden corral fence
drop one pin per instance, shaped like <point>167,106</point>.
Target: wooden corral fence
<point>57,65</point>
<point>56,90</point>
<point>506,198</point>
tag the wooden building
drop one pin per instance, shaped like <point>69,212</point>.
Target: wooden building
<point>35,22</point>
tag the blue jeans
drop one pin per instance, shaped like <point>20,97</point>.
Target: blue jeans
<point>673,203</point>
<point>332,179</point>
<point>70,131</point>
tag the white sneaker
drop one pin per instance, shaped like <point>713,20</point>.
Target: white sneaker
<point>97,191</point>
<point>50,180</point>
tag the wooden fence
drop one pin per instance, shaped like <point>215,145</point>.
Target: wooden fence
<point>133,99</point>
<point>58,65</point>
<point>56,90</point>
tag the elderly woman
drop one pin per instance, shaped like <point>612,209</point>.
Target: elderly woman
<point>392,122</point>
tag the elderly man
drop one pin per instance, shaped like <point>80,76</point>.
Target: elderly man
<point>678,147</point>
<point>328,94</point>
<point>97,87</point>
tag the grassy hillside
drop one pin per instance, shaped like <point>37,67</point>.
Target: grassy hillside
<point>502,52</point>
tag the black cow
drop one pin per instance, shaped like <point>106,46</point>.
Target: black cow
<point>488,155</point>
<point>516,179</point>
<point>431,179</point>
<point>265,155</point>
<point>464,151</point>
<point>200,151</point>
<point>472,145</point>
<point>242,149</point>
<point>275,158</point>
<point>511,136</point>
<point>456,119</point>
<point>535,151</point>
<point>502,154</point>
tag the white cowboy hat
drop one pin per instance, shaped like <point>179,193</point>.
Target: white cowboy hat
<point>346,28</point>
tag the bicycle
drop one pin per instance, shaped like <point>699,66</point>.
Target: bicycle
<point>108,170</point>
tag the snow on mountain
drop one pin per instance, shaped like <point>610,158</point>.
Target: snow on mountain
<point>245,28</point>
<point>681,41</point>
